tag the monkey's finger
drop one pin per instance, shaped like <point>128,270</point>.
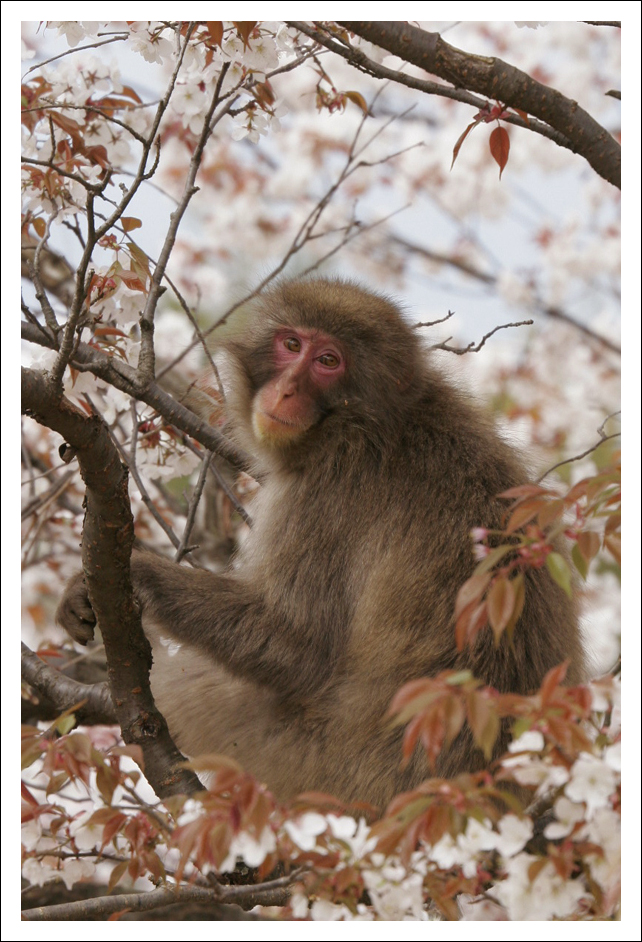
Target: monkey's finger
<point>80,629</point>
<point>75,613</point>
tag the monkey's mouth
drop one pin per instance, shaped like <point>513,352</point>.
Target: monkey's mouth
<point>268,426</point>
<point>276,418</point>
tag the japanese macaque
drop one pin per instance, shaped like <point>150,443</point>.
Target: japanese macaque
<point>374,470</point>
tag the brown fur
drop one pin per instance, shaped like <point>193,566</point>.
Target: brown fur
<point>347,584</point>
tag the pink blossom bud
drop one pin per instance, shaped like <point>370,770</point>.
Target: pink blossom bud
<point>480,552</point>
<point>478,534</point>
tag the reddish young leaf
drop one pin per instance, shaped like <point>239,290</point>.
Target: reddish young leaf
<point>141,261</point>
<point>108,332</point>
<point>524,490</point>
<point>132,280</point>
<point>518,605</point>
<point>130,93</point>
<point>471,591</point>
<point>244,29</point>
<point>418,705</point>
<point>525,511</point>
<point>614,546</point>
<point>588,543</point>
<point>551,512</point>
<point>112,826</point>
<point>130,222</point>
<point>215,29</point>
<point>578,490</point>
<point>499,147</point>
<point>117,874</point>
<point>433,734</point>
<point>263,93</point>
<point>500,602</point>
<point>484,722</point>
<point>454,719</point>
<point>461,140</point>
<point>358,99</point>
<point>408,693</point>
<point>469,624</point>
<point>552,681</point>
<point>410,737</point>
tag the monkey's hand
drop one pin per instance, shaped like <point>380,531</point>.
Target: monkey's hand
<point>75,613</point>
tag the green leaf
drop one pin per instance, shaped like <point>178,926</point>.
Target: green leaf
<point>65,724</point>
<point>580,562</point>
<point>558,568</point>
<point>494,557</point>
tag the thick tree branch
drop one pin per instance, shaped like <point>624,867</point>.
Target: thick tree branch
<point>64,692</point>
<point>273,893</point>
<point>121,375</point>
<point>360,61</point>
<point>499,81</point>
<point>108,535</point>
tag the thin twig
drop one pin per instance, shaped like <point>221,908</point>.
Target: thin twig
<point>193,506</point>
<point>31,317</point>
<point>222,483</point>
<point>434,323</point>
<point>304,234</point>
<point>362,63</point>
<point>491,280</point>
<point>472,348</point>
<point>77,177</point>
<point>197,330</point>
<point>34,273</point>
<point>48,104</point>
<point>26,460</point>
<point>119,38</point>
<point>43,500</point>
<point>603,438</point>
<point>146,359</point>
<point>94,235</point>
<point>147,500</point>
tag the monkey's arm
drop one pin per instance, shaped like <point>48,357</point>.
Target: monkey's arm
<point>220,615</point>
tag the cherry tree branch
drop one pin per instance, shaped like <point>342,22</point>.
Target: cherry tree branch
<point>486,278</point>
<point>603,438</point>
<point>122,376</point>
<point>146,359</point>
<point>357,58</point>
<point>96,705</point>
<point>108,535</point>
<point>183,547</point>
<point>499,81</point>
<point>472,347</point>
<point>271,893</point>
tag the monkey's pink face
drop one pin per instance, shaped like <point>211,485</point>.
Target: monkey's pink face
<point>307,364</point>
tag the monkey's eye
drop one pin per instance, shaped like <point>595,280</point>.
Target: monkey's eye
<point>329,360</point>
<point>293,344</point>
